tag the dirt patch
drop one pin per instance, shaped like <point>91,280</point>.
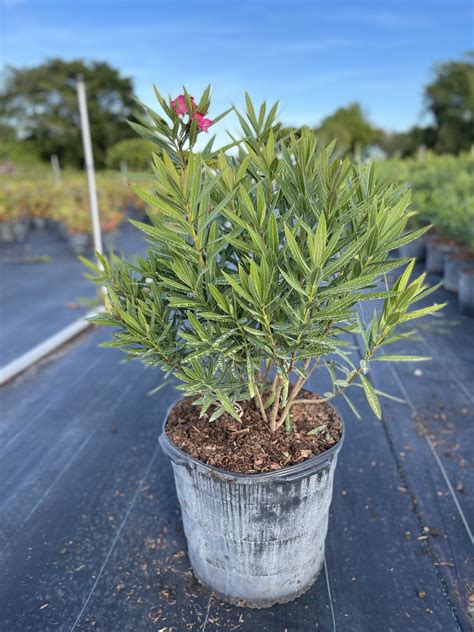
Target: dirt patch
<point>249,446</point>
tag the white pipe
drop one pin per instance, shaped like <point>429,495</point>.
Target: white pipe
<point>89,163</point>
<point>56,170</point>
<point>31,357</point>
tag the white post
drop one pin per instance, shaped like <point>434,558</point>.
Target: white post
<point>422,152</point>
<point>89,163</point>
<point>56,170</point>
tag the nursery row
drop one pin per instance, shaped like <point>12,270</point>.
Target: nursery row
<point>449,259</point>
<point>34,200</point>
<point>442,192</point>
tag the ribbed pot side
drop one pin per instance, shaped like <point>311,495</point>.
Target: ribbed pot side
<point>255,539</point>
<point>466,292</point>
<point>416,249</point>
<point>453,267</point>
<point>435,253</point>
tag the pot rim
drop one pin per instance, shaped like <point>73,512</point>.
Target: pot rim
<point>290,473</point>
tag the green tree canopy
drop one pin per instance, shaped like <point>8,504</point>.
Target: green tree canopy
<point>450,98</point>
<point>134,152</point>
<point>40,103</point>
<point>350,127</point>
<point>403,144</point>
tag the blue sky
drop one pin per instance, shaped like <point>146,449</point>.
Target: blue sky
<point>313,56</point>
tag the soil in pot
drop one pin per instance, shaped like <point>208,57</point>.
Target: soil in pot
<point>249,446</point>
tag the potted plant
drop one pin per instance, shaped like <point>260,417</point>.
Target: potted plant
<point>13,220</point>
<point>256,267</point>
<point>466,291</point>
<point>454,264</point>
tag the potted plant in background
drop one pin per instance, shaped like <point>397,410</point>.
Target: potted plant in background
<point>257,264</point>
<point>72,214</point>
<point>14,223</point>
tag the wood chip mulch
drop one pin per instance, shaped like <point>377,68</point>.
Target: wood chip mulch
<point>249,446</point>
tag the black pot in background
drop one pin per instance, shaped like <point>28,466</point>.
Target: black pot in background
<point>466,292</point>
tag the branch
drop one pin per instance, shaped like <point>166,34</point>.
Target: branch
<point>276,403</point>
<point>298,385</point>
<point>258,399</point>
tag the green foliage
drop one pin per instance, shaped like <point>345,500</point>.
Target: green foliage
<point>405,144</point>
<point>18,153</point>
<point>351,128</point>
<point>450,98</point>
<point>41,101</point>
<point>33,194</point>
<point>442,192</point>
<point>257,265</point>
<point>134,152</point>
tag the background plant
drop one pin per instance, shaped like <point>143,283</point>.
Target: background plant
<point>442,191</point>
<point>41,102</point>
<point>134,152</point>
<point>33,194</point>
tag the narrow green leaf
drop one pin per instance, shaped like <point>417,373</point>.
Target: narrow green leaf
<point>371,396</point>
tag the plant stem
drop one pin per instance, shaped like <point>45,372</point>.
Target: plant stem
<point>298,385</point>
<point>276,403</point>
<point>258,399</point>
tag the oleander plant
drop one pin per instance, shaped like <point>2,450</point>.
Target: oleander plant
<point>258,261</point>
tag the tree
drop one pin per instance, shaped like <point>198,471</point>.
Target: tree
<point>40,103</point>
<point>403,144</point>
<point>450,98</point>
<point>136,153</point>
<point>350,127</point>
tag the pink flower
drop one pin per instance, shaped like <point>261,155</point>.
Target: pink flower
<point>203,123</point>
<point>179,105</point>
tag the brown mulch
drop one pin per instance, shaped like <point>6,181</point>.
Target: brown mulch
<point>249,446</point>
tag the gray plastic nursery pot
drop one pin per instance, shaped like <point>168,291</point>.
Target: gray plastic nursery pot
<point>466,292</point>
<point>38,223</point>
<point>415,249</point>
<point>81,243</point>
<point>435,252</point>
<point>13,231</point>
<point>454,264</point>
<point>255,539</point>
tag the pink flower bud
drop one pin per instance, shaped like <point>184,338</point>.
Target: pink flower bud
<point>179,105</point>
<point>202,123</point>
